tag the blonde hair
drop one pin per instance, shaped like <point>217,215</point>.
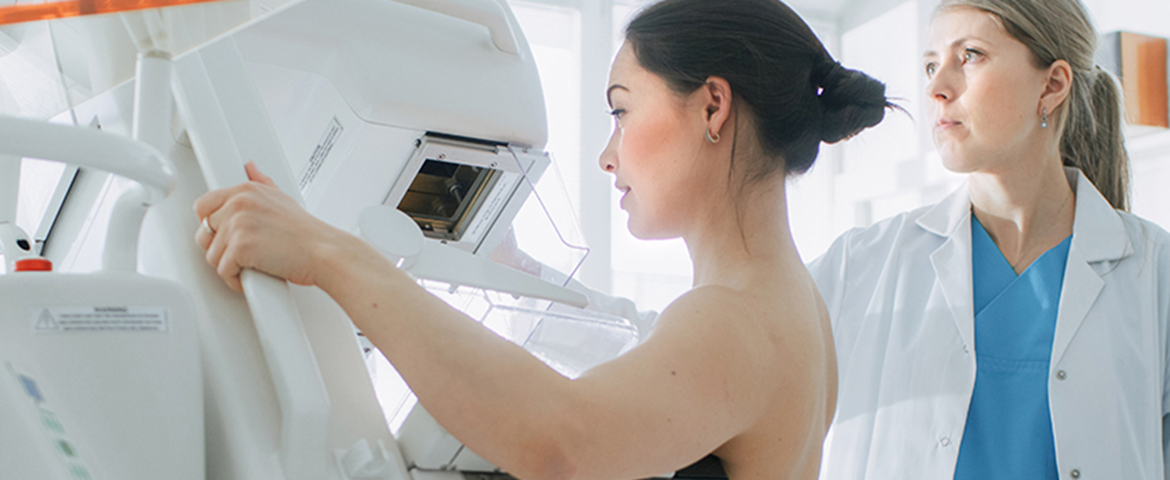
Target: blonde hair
<point>1089,120</point>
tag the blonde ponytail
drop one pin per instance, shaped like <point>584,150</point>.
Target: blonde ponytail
<point>1093,140</point>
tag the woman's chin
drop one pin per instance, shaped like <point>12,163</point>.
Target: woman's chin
<point>956,162</point>
<point>642,231</point>
<point>637,230</point>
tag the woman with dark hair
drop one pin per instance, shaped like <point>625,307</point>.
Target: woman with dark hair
<point>1019,329</point>
<point>716,103</point>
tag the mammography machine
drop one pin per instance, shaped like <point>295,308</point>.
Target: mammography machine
<point>418,124</point>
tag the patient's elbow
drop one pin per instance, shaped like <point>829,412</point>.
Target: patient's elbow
<point>554,443</point>
<point>545,458</point>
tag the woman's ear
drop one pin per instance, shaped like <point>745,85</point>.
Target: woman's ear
<point>717,105</point>
<point>1057,86</point>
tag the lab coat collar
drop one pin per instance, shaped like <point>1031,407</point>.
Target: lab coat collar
<point>1097,228</point>
<point>951,218</point>
<point>948,215</point>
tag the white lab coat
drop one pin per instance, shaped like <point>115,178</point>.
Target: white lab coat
<point>900,298</point>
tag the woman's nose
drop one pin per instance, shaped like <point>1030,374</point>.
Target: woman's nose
<point>608,159</point>
<point>942,85</point>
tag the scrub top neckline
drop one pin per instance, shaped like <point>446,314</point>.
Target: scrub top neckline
<point>1002,260</point>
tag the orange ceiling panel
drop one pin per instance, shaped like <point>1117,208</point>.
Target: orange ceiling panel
<point>75,8</point>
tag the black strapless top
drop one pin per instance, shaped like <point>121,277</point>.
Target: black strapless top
<point>709,468</point>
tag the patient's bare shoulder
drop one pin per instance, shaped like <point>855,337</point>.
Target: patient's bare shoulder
<point>769,328</point>
<point>783,301</point>
<point>713,307</point>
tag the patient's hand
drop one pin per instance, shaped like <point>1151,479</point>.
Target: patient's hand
<point>255,225</point>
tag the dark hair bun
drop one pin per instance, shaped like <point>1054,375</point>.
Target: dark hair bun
<point>852,102</point>
<point>774,64</point>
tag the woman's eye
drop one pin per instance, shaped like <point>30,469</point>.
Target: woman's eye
<point>617,113</point>
<point>930,69</point>
<point>970,55</point>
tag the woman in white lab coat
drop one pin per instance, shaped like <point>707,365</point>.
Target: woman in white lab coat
<point>716,102</point>
<point>951,365</point>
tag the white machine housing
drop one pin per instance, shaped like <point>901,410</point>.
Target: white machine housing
<point>102,382</point>
<point>100,374</point>
<point>344,103</point>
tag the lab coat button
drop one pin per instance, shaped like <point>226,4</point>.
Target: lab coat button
<point>966,350</point>
<point>944,441</point>
<point>1060,375</point>
<point>1075,473</point>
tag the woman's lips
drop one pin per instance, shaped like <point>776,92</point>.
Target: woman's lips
<point>946,123</point>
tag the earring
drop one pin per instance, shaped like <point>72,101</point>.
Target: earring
<point>1044,118</point>
<point>711,139</point>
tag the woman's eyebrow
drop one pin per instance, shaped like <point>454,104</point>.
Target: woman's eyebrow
<point>611,89</point>
<point>954,44</point>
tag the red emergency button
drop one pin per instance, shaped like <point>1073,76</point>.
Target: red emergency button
<point>34,265</point>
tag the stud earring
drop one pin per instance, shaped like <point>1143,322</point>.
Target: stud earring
<point>1044,118</point>
<point>710,138</point>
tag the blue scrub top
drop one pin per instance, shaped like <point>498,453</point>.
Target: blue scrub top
<point>1009,428</point>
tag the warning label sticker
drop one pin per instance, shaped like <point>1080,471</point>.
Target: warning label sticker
<point>101,319</point>
<point>324,146</point>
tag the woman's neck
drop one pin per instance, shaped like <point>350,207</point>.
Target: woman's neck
<point>1026,210</point>
<point>733,247</point>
